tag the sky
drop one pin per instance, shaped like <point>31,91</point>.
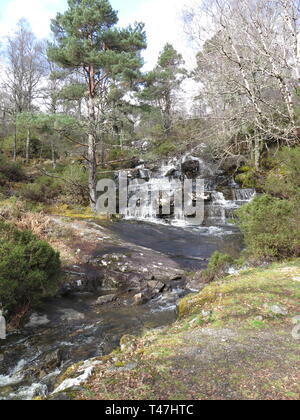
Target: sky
<point>162,19</point>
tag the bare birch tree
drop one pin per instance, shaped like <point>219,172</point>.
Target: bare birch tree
<point>25,68</point>
<point>249,69</point>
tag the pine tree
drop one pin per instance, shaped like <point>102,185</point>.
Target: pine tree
<point>88,41</point>
<point>162,83</point>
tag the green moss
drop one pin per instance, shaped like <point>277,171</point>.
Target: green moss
<point>246,293</point>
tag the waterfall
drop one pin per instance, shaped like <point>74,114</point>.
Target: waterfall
<point>245,194</point>
<point>157,192</point>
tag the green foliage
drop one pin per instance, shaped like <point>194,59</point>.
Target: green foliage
<point>271,223</point>
<point>73,92</point>
<point>247,177</point>
<point>271,227</point>
<point>217,266</point>
<point>44,190</point>
<point>68,185</point>
<point>284,179</point>
<point>162,82</point>
<point>29,269</point>
<point>10,171</point>
<point>166,148</point>
<point>120,158</point>
<point>219,261</point>
<point>74,184</point>
<point>106,47</point>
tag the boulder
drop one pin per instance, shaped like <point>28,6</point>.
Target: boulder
<point>278,310</point>
<point>191,167</point>
<point>102,300</point>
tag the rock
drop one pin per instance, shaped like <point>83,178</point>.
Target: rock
<point>278,310</point>
<point>37,320</point>
<point>61,396</point>
<point>176,278</point>
<point>195,284</point>
<point>191,166</point>
<point>65,289</point>
<point>52,360</point>
<point>156,285</point>
<point>140,299</point>
<point>102,300</point>
<point>178,284</point>
<point>114,280</point>
<point>259,318</point>
<point>135,279</point>
<point>206,314</point>
<point>71,315</point>
<point>78,375</point>
<point>128,342</point>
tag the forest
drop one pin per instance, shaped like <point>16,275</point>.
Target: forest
<point>80,107</point>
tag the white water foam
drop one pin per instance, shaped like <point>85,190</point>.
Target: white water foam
<point>15,376</point>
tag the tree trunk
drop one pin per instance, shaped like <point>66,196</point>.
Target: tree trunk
<point>53,154</point>
<point>257,151</point>
<point>27,146</point>
<point>15,142</point>
<point>92,156</point>
<point>167,115</point>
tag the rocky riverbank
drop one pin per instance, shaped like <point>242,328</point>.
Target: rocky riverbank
<point>237,339</point>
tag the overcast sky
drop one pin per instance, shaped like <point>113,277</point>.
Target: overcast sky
<point>162,19</point>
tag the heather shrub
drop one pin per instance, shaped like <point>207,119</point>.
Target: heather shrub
<point>29,269</point>
<point>271,227</point>
<point>10,172</point>
<point>218,266</point>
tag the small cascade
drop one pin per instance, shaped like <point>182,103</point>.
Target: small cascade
<point>156,190</point>
<point>245,194</point>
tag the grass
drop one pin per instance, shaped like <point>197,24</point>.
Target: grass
<point>243,298</point>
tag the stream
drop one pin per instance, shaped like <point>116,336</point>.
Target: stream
<point>71,329</point>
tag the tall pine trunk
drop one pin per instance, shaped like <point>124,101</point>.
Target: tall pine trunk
<point>92,154</point>
<point>167,115</point>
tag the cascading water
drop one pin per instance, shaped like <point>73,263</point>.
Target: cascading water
<point>161,184</point>
<point>245,194</point>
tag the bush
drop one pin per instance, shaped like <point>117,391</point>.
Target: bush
<point>75,184</point>
<point>67,185</point>
<point>284,179</point>
<point>29,269</point>
<point>218,266</point>
<point>165,148</point>
<point>44,190</point>
<point>10,171</point>
<point>271,227</point>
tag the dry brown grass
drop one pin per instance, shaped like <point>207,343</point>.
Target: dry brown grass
<point>15,212</point>
<point>41,225</point>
